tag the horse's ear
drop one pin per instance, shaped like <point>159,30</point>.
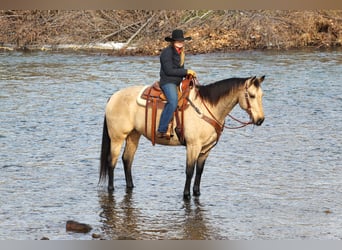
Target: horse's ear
<point>251,81</point>
<point>262,79</point>
<point>257,81</point>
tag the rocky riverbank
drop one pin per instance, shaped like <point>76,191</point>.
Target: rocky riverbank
<point>140,32</point>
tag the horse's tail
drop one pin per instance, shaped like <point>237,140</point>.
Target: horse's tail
<point>105,151</point>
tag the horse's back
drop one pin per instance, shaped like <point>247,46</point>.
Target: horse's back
<point>121,109</point>
<point>126,96</point>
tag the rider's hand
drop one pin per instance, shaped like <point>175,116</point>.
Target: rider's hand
<point>191,72</point>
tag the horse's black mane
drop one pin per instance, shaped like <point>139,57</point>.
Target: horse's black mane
<point>215,91</point>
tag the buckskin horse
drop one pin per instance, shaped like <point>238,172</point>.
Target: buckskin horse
<point>204,120</point>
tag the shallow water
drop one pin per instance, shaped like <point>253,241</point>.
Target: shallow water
<point>282,180</point>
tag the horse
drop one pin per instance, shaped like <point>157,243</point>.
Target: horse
<point>204,120</point>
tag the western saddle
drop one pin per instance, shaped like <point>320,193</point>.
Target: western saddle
<point>155,99</point>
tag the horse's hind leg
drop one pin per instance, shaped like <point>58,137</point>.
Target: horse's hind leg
<point>132,141</point>
<point>115,148</point>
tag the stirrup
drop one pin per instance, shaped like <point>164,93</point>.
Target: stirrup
<point>163,135</point>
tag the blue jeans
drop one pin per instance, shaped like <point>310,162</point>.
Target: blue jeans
<point>171,93</point>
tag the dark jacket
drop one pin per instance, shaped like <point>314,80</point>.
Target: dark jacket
<point>170,71</point>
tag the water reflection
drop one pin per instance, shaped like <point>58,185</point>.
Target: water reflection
<point>124,219</point>
<point>119,218</point>
<point>195,225</point>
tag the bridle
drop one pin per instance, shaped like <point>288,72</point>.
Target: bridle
<point>214,121</point>
<point>243,124</point>
<point>248,110</point>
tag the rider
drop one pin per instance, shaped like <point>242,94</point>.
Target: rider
<point>172,72</point>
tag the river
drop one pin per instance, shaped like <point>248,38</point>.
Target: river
<point>282,180</point>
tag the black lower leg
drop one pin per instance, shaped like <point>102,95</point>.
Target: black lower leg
<point>199,171</point>
<point>110,179</point>
<point>186,193</point>
<point>196,189</point>
<point>128,176</point>
<point>189,174</point>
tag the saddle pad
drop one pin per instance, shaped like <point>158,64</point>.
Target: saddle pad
<point>140,100</point>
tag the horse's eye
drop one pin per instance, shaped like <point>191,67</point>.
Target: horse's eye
<point>252,96</point>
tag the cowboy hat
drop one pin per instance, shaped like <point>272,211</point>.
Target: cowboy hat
<point>177,35</point>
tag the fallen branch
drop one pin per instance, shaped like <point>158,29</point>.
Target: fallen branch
<point>138,31</point>
<point>115,33</point>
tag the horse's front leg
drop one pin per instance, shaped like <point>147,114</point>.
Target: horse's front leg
<point>189,173</point>
<point>199,170</point>
<point>191,158</point>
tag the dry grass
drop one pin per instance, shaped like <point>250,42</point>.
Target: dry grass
<point>211,30</point>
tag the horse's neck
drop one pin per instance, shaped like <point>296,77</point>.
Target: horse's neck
<point>225,106</point>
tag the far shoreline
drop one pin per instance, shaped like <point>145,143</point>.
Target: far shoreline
<point>119,49</point>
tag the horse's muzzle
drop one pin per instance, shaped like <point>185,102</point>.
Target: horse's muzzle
<point>259,121</point>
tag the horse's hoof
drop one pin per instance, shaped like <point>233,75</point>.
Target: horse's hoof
<point>186,196</point>
<point>197,193</point>
<point>129,189</point>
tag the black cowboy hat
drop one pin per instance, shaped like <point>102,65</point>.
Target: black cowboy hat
<point>177,35</point>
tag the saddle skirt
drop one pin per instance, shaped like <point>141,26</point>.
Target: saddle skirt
<point>155,92</point>
<point>153,98</point>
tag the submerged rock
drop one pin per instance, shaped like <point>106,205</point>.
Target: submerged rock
<point>77,227</point>
<point>96,236</point>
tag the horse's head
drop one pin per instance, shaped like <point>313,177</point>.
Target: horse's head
<point>251,99</point>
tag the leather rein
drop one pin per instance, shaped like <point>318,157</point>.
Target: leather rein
<point>214,121</point>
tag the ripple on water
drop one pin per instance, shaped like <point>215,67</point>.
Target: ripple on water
<point>271,182</point>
